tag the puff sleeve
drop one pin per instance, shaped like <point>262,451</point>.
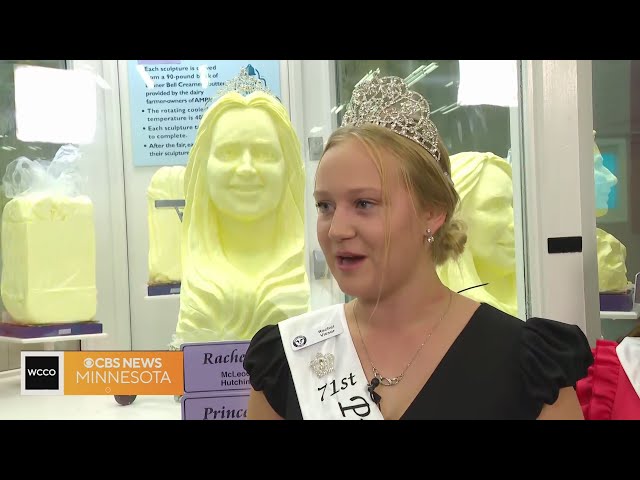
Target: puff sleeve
<point>554,355</point>
<point>266,364</point>
<point>597,391</point>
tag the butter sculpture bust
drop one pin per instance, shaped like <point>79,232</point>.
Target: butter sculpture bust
<point>612,268</point>
<point>165,227</point>
<point>612,254</point>
<point>483,182</point>
<point>243,263</point>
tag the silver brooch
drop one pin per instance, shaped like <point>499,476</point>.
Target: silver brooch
<point>322,364</point>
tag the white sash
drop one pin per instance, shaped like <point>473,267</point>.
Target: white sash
<point>629,355</point>
<point>309,341</point>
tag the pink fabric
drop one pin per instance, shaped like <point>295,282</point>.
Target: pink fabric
<point>606,392</point>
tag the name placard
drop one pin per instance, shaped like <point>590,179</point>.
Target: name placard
<point>215,367</point>
<point>215,406</point>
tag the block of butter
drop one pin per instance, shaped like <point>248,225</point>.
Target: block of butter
<point>165,225</point>
<point>49,259</point>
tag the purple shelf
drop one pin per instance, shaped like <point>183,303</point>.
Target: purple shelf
<point>44,331</point>
<point>616,302</point>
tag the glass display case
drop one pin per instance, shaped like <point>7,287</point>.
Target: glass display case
<point>524,163</point>
<point>59,201</point>
<point>615,114</point>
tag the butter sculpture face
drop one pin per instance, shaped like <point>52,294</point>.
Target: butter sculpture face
<point>488,211</point>
<point>605,180</point>
<point>48,259</point>
<point>245,169</point>
<point>243,263</point>
<point>165,227</point>
<point>484,183</point>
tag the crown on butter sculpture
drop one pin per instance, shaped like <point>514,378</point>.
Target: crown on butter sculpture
<point>388,102</point>
<point>244,84</point>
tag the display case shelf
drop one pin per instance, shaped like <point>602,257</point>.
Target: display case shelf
<point>613,315</point>
<point>49,342</point>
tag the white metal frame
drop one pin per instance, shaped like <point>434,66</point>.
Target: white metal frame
<point>152,319</point>
<point>519,222</point>
<point>559,191</point>
<point>106,187</point>
<point>313,90</point>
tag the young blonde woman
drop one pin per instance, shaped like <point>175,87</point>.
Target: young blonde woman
<point>407,347</point>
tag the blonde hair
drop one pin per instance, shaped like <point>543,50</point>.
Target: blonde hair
<point>427,182</point>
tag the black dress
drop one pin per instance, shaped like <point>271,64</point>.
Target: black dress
<point>499,367</point>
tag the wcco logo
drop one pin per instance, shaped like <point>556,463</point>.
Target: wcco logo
<point>42,373</point>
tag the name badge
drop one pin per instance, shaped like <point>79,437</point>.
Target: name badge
<point>319,332</point>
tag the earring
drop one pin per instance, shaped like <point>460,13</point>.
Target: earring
<point>430,238</point>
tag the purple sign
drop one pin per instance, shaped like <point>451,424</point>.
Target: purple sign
<point>215,367</point>
<point>211,406</point>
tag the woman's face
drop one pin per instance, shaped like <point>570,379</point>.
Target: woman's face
<point>488,212</point>
<point>351,221</point>
<point>245,170</point>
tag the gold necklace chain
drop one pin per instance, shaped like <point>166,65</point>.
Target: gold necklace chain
<point>389,381</point>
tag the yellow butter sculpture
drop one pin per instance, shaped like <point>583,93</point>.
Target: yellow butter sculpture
<point>48,243</point>
<point>612,254</point>
<point>484,183</point>
<point>165,227</point>
<point>612,268</point>
<point>243,263</point>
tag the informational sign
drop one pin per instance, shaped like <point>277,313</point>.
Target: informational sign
<point>216,386</point>
<point>167,99</point>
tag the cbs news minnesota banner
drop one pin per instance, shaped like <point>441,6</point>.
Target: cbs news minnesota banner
<point>102,373</point>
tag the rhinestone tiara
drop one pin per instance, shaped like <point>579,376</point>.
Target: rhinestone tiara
<point>244,84</point>
<point>388,102</point>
